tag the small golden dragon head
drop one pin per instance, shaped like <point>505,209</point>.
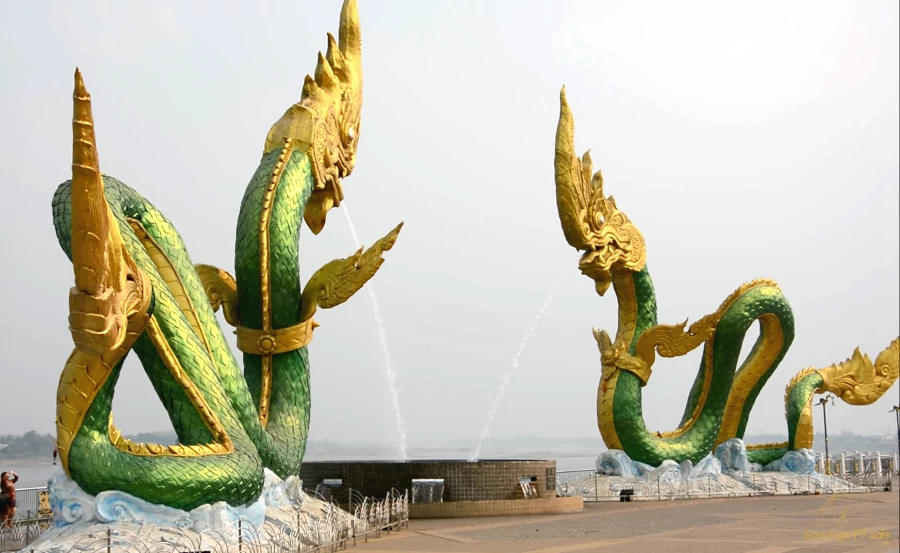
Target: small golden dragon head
<point>325,123</point>
<point>857,380</point>
<point>591,222</point>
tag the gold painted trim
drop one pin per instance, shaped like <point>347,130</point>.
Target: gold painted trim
<point>627,299</point>
<point>754,447</point>
<point>158,450</point>
<point>265,391</point>
<point>753,369</point>
<point>708,361</point>
<point>80,382</point>
<point>803,433</point>
<point>709,358</point>
<point>606,392</point>
<point>223,443</point>
<point>172,279</point>
<point>282,340</point>
<point>264,278</point>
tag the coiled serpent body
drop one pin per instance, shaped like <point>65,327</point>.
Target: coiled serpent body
<point>725,388</point>
<point>137,289</point>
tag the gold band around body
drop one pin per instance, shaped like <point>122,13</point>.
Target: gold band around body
<point>282,340</point>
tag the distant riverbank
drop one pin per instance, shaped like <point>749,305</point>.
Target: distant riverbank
<point>18,452</point>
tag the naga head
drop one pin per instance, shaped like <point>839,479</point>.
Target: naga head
<point>325,123</point>
<point>109,287</point>
<point>857,380</point>
<point>591,222</point>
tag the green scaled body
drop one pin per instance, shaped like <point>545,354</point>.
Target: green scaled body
<point>614,253</point>
<point>236,477</point>
<point>700,438</point>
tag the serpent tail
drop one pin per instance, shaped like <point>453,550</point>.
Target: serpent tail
<point>725,388</point>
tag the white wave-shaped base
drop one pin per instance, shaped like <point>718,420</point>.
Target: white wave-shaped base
<point>617,463</point>
<point>282,515</point>
<point>72,505</point>
<point>801,461</point>
<point>730,458</point>
<point>725,473</point>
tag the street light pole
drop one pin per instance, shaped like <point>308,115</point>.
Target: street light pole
<point>896,410</point>
<point>823,401</point>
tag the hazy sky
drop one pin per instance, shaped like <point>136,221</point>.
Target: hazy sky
<point>744,139</point>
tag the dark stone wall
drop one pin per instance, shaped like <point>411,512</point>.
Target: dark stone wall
<point>490,480</point>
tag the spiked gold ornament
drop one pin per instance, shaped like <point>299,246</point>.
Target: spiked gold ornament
<point>108,285</point>
<point>325,123</point>
<point>590,221</point>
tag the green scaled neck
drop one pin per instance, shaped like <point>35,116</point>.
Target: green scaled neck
<point>281,204</point>
<point>269,298</point>
<point>646,304</point>
<point>637,305</point>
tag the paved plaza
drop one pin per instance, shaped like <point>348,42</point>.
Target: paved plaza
<point>861,523</point>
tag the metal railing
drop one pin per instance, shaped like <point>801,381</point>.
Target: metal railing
<point>855,462</point>
<point>19,533</point>
<point>595,487</point>
<point>32,503</point>
<point>33,518</point>
<point>294,531</point>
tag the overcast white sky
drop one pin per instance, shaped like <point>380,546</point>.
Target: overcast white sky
<point>744,140</point>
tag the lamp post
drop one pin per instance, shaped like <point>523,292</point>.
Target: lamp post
<point>896,410</point>
<point>823,401</point>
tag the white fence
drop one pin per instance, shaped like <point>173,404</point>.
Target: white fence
<point>595,487</point>
<point>296,532</point>
<point>857,462</point>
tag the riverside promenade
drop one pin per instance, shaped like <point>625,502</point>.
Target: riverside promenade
<point>862,523</point>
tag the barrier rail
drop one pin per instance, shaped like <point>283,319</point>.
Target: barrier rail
<point>32,503</point>
<point>595,487</point>
<point>297,531</point>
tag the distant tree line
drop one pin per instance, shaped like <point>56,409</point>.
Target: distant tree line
<point>30,444</point>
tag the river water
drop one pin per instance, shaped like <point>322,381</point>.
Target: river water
<point>31,474</point>
<point>34,474</point>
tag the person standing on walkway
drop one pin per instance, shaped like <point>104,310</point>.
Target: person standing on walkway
<point>8,497</point>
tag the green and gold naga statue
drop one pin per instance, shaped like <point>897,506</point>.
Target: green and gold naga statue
<point>137,289</point>
<point>723,392</point>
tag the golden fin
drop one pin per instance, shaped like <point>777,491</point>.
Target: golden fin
<point>221,289</point>
<point>338,280</point>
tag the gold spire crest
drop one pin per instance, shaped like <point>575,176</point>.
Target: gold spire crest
<point>90,220</point>
<point>108,285</point>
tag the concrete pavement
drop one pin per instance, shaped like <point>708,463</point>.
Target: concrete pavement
<point>791,524</point>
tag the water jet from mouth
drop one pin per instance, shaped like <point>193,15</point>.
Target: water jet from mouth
<point>382,337</point>
<point>514,364</point>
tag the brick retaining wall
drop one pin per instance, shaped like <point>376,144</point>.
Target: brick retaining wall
<point>488,480</point>
<point>461,509</point>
